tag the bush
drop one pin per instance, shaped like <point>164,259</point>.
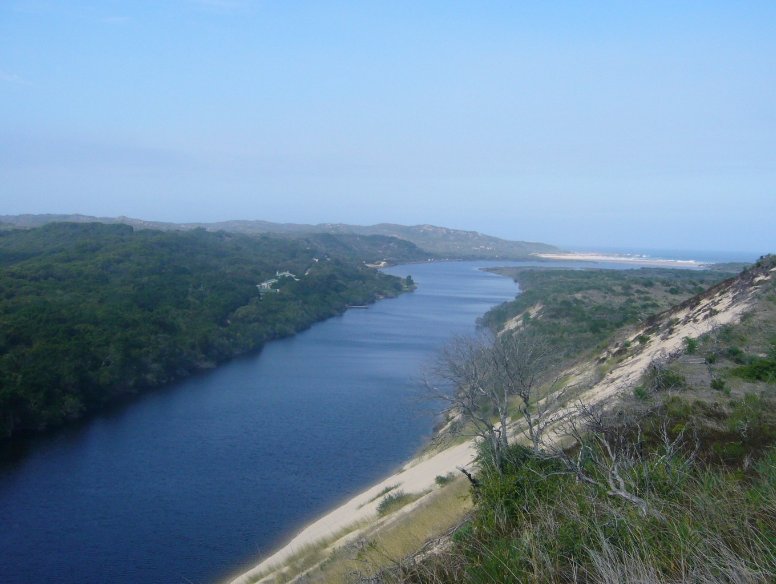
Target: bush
<point>641,393</point>
<point>718,383</point>
<point>661,378</point>
<point>690,345</point>
<point>395,501</point>
<point>443,480</point>
<point>759,369</point>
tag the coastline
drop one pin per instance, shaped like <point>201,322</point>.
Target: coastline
<point>614,258</point>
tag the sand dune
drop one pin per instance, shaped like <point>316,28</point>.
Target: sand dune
<point>726,304</point>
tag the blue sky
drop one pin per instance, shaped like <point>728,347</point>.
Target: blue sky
<point>578,123</point>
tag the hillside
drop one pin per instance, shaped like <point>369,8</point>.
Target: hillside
<point>435,242</point>
<point>91,313</point>
<point>657,465</point>
<point>580,310</point>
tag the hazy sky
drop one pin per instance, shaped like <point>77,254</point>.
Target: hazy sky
<point>587,123</point>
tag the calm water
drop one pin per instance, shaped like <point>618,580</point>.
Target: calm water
<point>188,484</point>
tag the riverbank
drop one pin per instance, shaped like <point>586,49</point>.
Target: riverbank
<point>218,469</point>
<point>417,479</point>
<point>330,541</point>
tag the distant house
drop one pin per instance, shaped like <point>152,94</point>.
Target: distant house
<point>286,274</point>
<point>268,285</point>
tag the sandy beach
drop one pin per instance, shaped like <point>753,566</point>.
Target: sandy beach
<point>628,259</point>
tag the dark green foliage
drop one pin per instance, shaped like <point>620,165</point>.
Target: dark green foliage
<point>757,368</point>
<point>641,393</point>
<point>690,345</point>
<point>92,312</point>
<point>442,480</point>
<point>369,248</point>
<point>736,355</point>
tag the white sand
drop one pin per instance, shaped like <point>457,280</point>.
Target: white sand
<point>601,257</point>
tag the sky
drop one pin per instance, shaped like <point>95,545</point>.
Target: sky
<point>585,124</point>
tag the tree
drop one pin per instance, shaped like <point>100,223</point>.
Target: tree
<point>485,379</point>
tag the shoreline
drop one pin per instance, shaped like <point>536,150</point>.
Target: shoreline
<point>417,476</point>
<point>614,258</point>
<point>721,306</point>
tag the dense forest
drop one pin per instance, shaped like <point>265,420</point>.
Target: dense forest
<point>91,312</point>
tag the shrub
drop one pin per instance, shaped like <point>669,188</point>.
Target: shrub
<point>661,378</point>
<point>442,480</point>
<point>641,393</point>
<point>395,501</point>
<point>690,345</point>
<point>758,369</point>
<point>736,355</point>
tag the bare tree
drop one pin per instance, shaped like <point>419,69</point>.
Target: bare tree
<point>485,379</point>
<point>519,361</point>
<point>461,379</point>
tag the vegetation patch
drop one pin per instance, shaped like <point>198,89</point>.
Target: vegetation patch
<point>396,500</point>
<point>758,368</point>
<point>582,309</point>
<point>382,493</point>
<point>442,480</point>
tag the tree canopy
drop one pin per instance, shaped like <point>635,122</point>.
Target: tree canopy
<point>90,313</point>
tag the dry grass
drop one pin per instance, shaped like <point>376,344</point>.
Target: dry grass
<point>399,536</point>
<point>305,558</point>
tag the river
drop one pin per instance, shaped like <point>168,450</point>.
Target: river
<point>189,483</point>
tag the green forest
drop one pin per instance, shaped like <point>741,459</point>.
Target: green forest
<point>91,313</point>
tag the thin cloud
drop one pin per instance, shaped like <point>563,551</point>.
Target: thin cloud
<point>12,78</point>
